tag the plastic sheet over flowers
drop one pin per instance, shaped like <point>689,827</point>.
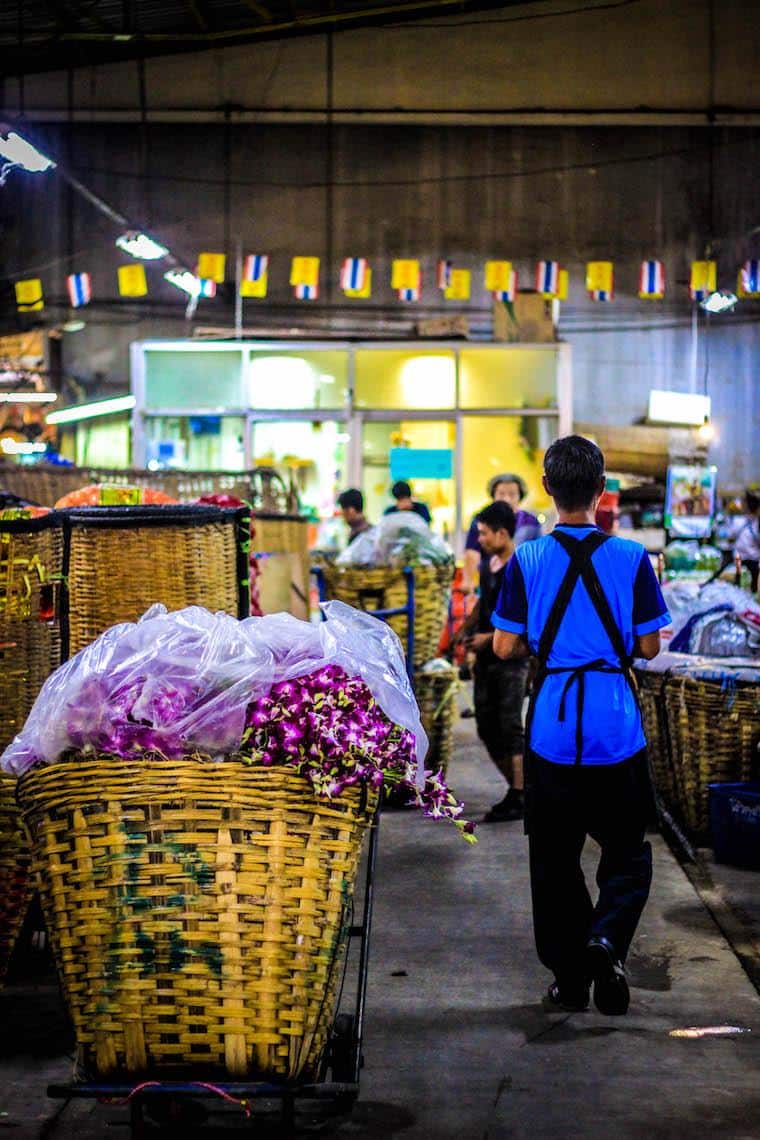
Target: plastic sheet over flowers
<point>333,699</point>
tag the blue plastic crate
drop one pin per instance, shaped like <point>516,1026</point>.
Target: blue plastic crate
<point>735,823</point>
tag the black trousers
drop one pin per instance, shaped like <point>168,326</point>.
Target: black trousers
<point>565,804</point>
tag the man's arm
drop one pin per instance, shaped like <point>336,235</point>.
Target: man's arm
<point>647,645</point>
<point>509,645</point>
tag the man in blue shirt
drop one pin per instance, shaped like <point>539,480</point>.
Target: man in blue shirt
<point>585,604</point>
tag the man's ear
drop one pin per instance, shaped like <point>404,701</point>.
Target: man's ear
<point>546,486</point>
<point>602,485</point>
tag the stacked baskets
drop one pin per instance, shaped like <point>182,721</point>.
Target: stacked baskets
<point>31,559</point>
<point>385,587</point>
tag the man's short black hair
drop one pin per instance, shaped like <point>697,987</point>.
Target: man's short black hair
<point>573,467</point>
<point>351,498</point>
<point>752,499</point>
<point>499,516</point>
<point>401,490</point>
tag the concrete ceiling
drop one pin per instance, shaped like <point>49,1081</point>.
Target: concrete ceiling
<point>43,35</point>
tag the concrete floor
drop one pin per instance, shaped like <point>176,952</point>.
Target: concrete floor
<point>456,1043</point>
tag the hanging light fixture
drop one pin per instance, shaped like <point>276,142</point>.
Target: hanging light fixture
<point>17,152</point>
<point>720,301</point>
<point>141,246</point>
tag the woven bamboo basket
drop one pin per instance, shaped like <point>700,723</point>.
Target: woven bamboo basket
<point>436,695</point>
<point>665,777</point>
<point>31,557</point>
<point>123,559</point>
<point>714,731</point>
<point>384,587</point>
<point>198,915</point>
<point>15,882</point>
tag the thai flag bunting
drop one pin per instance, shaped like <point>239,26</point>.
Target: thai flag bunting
<point>206,287</point>
<point>79,286</point>
<point>652,280</point>
<point>306,292</point>
<point>547,276</point>
<point>507,294</point>
<point>600,295</point>
<point>408,294</point>
<point>255,266</point>
<point>444,274</point>
<point>353,273</point>
<point>751,277</point>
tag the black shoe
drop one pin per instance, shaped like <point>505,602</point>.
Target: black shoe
<point>556,1000</point>
<point>467,714</point>
<point>510,808</point>
<point>611,993</point>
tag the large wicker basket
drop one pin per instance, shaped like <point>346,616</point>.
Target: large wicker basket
<point>384,587</point>
<point>198,912</point>
<point>120,560</point>
<point>31,558</point>
<point>437,699</point>
<point>714,731</point>
<point>651,689</point>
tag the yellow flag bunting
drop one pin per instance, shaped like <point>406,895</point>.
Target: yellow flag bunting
<point>304,271</point>
<point>132,281</point>
<point>211,267</point>
<point>458,288</point>
<point>405,274</point>
<point>497,276</point>
<point>29,295</point>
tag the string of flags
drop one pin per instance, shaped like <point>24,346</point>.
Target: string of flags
<point>454,283</point>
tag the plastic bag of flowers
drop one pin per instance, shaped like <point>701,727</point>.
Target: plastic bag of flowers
<point>197,790</point>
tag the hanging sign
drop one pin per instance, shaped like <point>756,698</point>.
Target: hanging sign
<point>132,281</point>
<point>29,295</point>
<point>305,271</point>
<point>690,500</point>
<point>353,272</point>
<point>366,289</point>
<point>600,280</point>
<point>212,265</point>
<point>652,281</point>
<point>79,287</point>
<point>421,462</point>
<point>458,288</point>
<point>405,274</point>
<point>510,292</point>
<point>702,280</point>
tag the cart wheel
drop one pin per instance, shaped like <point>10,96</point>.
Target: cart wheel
<point>343,1048</point>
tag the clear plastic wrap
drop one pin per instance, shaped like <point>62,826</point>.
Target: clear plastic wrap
<point>399,539</point>
<point>725,635</point>
<point>684,599</point>
<point>181,681</point>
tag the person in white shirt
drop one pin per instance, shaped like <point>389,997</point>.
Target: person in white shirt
<point>747,537</point>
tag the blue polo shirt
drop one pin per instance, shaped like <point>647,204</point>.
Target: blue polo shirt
<point>612,728</point>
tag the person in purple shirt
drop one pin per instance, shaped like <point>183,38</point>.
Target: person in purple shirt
<point>507,488</point>
<point>584,603</point>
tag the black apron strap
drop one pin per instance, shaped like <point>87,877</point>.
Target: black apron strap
<point>579,552</point>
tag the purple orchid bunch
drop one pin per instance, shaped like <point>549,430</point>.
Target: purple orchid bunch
<point>332,730</point>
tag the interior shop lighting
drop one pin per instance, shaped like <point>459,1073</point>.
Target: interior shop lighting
<point>141,246</point>
<point>28,397</point>
<point>17,152</point>
<point>686,408</point>
<point>90,411</point>
<point>706,430</point>
<point>721,301</point>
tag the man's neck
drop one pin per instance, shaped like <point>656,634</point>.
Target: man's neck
<point>585,517</point>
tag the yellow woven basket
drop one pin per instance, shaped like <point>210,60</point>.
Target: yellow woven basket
<point>15,883</point>
<point>181,556</point>
<point>714,732</point>
<point>436,695</point>
<point>384,587</point>
<point>651,689</point>
<point>198,912</point>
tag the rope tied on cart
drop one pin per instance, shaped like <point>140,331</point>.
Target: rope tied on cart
<point>220,1092</point>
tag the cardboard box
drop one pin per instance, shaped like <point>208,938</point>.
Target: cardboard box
<point>441,327</point>
<point>529,319</point>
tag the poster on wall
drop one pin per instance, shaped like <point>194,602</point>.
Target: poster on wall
<point>690,500</point>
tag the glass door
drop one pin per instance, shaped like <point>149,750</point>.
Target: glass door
<point>419,451</point>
